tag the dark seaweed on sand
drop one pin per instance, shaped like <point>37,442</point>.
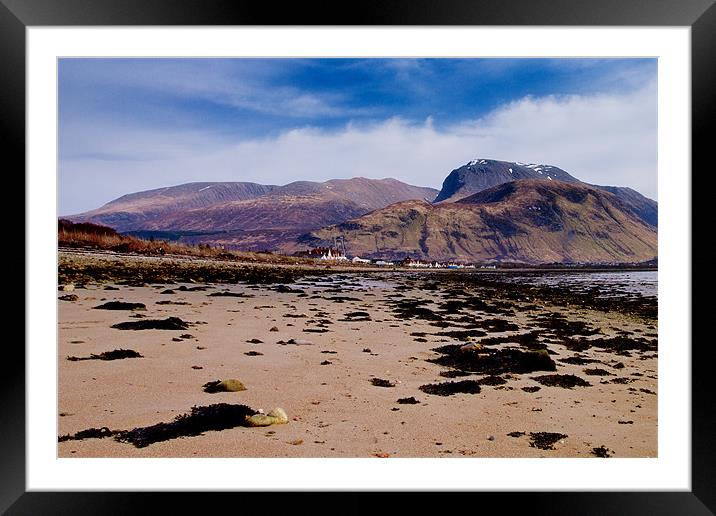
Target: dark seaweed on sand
<point>415,309</point>
<point>531,388</point>
<point>620,345</point>
<point>356,316</point>
<point>408,401</point>
<point>220,416</point>
<point>379,382</point>
<point>229,294</point>
<point>529,340</point>
<point>90,433</point>
<point>560,326</point>
<point>494,361</point>
<point>170,323</point>
<point>579,360</point>
<point>449,388</point>
<point>622,381</point>
<point>492,380</point>
<point>493,325</point>
<point>339,299</point>
<point>453,373</point>
<point>602,452</point>
<point>120,305</point>
<point>473,303</point>
<point>116,354</point>
<point>566,381</point>
<point>545,440</point>
<point>644,306</point>
<point>597,372</point>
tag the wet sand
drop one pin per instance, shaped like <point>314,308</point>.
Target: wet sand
<point>361,327</point>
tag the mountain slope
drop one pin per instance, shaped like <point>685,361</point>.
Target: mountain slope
<point>531,221</point>
<point>279,212</point>
<point>643,207</point>
<point>145,210</point>
<point>481,174</point>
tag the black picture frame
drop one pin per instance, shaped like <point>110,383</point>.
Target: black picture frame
<point>700,15</point>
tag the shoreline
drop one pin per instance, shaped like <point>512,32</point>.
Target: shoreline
<point>314,264</point>
<point>364,364</point>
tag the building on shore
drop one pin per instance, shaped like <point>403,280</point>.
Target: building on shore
<point>412,262</point>
<point>322,253</point>
<point>334,255</point>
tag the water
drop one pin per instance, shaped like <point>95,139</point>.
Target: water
<point>609,284</point>
<point>347,283</point>
<point>601,284</point>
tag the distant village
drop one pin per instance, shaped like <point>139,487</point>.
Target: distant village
<point>333,254</point>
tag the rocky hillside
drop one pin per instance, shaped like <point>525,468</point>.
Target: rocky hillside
<point>532,221</point>
<point>237,213</point>
<point>481,174</point>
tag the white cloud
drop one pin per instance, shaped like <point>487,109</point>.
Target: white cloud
<point>602,139</point>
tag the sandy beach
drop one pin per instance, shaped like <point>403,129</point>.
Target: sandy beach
<point>546,375</point>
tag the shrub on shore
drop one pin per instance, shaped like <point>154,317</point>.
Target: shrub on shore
<point>94,236</point>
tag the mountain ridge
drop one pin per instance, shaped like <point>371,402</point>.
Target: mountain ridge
<point>260,216</point>
<point>532,221</point>
<point>485,196</point>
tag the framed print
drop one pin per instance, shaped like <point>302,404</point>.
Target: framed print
<point>419,248</point>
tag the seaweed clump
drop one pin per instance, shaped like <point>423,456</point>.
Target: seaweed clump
<point>493,361</point>
<point>170,323</point>
<point>602,452</point>
<point>90,433</point>
<point>117,354</point>
<point>545,440</point>
<point>120,305</point>
<point>566,381</point>
<point>220,416</point>
<point>597,372</point>
<point>449,388</point>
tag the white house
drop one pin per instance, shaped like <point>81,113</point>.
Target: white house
<point>334,255</point>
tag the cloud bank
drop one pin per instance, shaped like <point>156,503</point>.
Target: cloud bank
<point>608,139</point>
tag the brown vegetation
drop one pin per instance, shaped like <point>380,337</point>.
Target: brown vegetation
<point>94,236</point>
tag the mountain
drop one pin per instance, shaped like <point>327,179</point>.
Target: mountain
<point>249,215</point>
<point>481,174</point>
<point>146,210</point>
<point>531,221</point>
<point>475,216</point>
<point>643,207</point>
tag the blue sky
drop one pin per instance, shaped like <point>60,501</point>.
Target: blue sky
<point>134,124</point>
